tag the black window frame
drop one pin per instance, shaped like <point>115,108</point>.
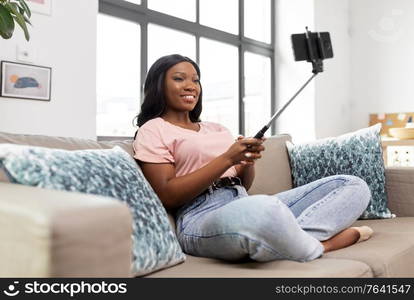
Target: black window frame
<point>142,15</point>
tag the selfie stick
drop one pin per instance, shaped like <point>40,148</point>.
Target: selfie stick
<point>317,67</point>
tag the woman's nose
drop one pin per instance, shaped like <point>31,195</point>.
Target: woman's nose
<point>190,86</point>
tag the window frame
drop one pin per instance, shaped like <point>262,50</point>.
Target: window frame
<point>141,14</point>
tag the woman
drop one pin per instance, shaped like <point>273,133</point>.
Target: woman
<point>201,173</point>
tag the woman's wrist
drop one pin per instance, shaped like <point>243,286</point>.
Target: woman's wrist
<point>227,162</point>
<point>246,168</point>
<point>246,174</point>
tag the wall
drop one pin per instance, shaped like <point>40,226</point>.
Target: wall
<point>332,87</point>
<point>65,41</point>
<point>371,72</point>
<point>382,69</point>
<point>299,118</point>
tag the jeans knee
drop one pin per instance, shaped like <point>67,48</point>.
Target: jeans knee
<point>257,218</point>
<point>359,186</point>
<point>362,190</point>
<point>266,214</point>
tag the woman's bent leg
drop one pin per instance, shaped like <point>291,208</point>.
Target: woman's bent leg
<point>329,205</point>
<point>260,227</point>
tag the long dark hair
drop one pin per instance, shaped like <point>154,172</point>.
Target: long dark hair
<point>155,103</point>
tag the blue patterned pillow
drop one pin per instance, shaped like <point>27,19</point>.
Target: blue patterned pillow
<point>358,153</point>
<point>110,172</point>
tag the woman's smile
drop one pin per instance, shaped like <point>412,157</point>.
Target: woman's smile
<point>189,98</point>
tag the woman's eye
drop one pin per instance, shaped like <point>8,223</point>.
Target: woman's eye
<point>178,79</point>
<point>197,80</point>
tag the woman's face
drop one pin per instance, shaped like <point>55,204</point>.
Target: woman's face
<point>182,87</point>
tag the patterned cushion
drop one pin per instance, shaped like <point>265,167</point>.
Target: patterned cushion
<point>109,172</point>
<point>358,153</point>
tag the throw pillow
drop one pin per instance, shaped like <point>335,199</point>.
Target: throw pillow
<point>109,172</point>
<point>358,153</point>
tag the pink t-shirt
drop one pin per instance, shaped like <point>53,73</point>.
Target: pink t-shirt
<point>159,141</point>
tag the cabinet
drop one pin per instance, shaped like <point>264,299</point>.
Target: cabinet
<point>398,153</point>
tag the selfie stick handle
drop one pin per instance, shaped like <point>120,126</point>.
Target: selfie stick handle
<point>262,131</point>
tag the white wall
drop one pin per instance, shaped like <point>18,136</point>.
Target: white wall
<point>298,119</point>
<point>66,42</point>
<point>382,58</point>
<point>372,70</point>
<point>332,87</point>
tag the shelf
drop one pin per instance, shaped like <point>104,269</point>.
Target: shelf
<point>388,141</point>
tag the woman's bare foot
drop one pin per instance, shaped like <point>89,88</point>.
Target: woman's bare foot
<point>365,233</point>
<point>347,237</point>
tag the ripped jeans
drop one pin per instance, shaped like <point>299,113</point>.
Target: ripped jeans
<point>231,225</point>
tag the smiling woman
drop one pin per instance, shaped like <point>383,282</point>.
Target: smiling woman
<point>201,174</point>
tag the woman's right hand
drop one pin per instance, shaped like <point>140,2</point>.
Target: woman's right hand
<point>244,151</point>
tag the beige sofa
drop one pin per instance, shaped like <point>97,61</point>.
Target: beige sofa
<point>47,233</point>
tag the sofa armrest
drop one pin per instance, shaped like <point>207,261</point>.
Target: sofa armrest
<point>49,233</point>
<point>400,190</point>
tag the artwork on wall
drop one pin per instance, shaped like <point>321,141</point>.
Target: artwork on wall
<point>390,120</point>
<point>40,6</point>
<point>25,81</point>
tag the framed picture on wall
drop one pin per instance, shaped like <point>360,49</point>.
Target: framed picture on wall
<point>40,6</point>
<point>25,81</point>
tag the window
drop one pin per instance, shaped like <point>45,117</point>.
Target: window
<point>118,76</point>
<point>184,9</point>
<point>257,19</point>
<point>231,40</point>
<point>221,15</point>
<point>219,76</point>
<point>257,92</point>
<point>163,41</point>
<point>134,1</point>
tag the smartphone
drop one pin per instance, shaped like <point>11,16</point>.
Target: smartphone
<point>320,43</point>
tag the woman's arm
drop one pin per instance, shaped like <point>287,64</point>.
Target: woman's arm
<point>246,174</point>
<point>176,191</point>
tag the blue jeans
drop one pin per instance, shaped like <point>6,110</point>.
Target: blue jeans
<point>229,224</point>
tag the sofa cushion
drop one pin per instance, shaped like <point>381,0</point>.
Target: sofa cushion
<point>358,153</point>
<point>389,252</point>
<point>3,175</point>
<point>66,143</point>
<point>208,267</point>
<point>47,233</point>
<point>400,190</point>
<point>272,170</point>
<point>110,172</point>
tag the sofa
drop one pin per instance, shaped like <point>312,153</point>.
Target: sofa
<point>49,233</point>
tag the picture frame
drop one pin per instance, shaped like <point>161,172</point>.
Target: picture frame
<point>25,81</point>
<point>43,7</point>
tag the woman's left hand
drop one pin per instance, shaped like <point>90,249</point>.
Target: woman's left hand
<point>252,149</point>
